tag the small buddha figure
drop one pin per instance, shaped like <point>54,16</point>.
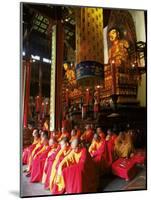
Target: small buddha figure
<point>119,49</point>
<point>70,74</point>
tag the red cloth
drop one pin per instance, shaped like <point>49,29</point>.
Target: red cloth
<point>48,167</point>
<point>81,177</point>
<point>38,166</point>
<point>102,158</point>
<point>139,156</point>
<point>26,153</point>
<point>110,148</point>
<point>124,168</point>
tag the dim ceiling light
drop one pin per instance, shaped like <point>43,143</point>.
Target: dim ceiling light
<point>46,60</point>
<point>35,57</point>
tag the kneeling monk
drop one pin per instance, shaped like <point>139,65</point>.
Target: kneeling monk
<point>65,149</point>
<point>123,145</point>
<point>40,147</point>
<point>95,145</point>
<point>39,161</point>
<point>75,173</point>
<point>27,151</point>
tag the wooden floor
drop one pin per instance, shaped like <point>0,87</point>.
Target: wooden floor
<point>108,184</point>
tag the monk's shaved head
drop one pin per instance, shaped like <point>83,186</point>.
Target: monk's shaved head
<point>96,137</point>
<point>64,142</point>
<point>52,141</point>
<point>74,143</point>
<point>36,133</point>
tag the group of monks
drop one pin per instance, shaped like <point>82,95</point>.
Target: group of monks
<point>74,162</point>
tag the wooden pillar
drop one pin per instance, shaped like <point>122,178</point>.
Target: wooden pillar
<point>56,76</point>
<point>59,69</point>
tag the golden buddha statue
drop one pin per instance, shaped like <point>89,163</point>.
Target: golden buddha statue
<point>118,50</point>
<point>70,74</point>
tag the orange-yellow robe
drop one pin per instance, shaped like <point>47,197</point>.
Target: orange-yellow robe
<point>95,145</point>
<point>75,174</point>
<point>28,150</point>
<point>59,157</point>
<point>38,163</point>
<point>37,148</point>
<point>123,147</point>
<point>48,166</point>
<point>87,136</point>
<point>73,138</point>
<point>65,134</point>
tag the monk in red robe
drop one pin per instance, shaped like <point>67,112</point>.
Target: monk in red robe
<point>39,161</point>
<point>46,125</point>
<point>64,150</point>
<point>100,132</point>
<point>74,135</point>
<point>87,136</point>
<point>78,131</point>
<point>48,165</point>
<point>40,147</point>
<point>27,151</point>
<point>95,145</point>
<point>64,133</point>
<point>75,173</point>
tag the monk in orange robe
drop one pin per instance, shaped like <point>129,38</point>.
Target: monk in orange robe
<point>123,145</point>
<point>39,160</point>
<point>27,151</point>
<point>48,165</point>
<point>87,136</point>
<point>78,164</point>
<point>95,145</point>
<point>37,150</point>
<point>64,133</point>
<point>65,149</point>
<point>46,125</point>
<point>110,143</point>
<point>78,131</point>
<point>100,132</point>
<point>74,135</point>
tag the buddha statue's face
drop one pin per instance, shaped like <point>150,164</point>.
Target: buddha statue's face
<point>113,35</point>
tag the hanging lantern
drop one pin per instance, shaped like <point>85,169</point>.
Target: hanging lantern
<point>89,47</point>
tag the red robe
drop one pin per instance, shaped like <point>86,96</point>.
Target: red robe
<point>38,165</point>
<point>59,157</point>
<point>28,150</point>
<point>48,166</point>
<point>79,177</point>
<point>31,157</point>
<point>87,136</point>
<point>26,153</point>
